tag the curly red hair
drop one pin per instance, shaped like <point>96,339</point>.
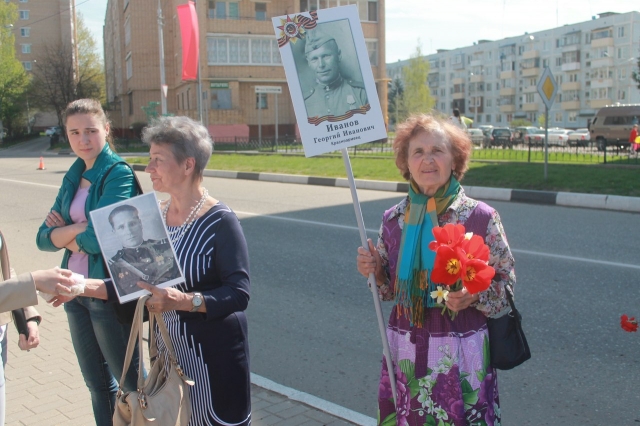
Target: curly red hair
<point>457,140</point>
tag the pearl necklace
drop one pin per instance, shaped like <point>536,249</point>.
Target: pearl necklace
<point>182,229</point>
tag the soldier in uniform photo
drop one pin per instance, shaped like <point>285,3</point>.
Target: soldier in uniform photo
<point>151,261</point>
<point>332,94</point>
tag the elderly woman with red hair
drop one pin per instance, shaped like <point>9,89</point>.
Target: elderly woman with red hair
<point>441,363</point>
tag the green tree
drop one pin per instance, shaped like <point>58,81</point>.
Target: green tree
<point>520,122</point>
<point>417,96</point>
<point>636,74</point>
<point>13,78</point>
<point>56,79</point>
<point>396,99</point>
<point>542,120</point>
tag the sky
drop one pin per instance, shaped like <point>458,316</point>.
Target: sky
<point>441,24</point>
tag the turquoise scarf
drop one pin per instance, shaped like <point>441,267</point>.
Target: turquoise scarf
<point>415,260</point>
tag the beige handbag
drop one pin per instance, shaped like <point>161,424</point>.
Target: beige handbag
<point>162,400</point>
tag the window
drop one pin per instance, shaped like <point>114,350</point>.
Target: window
<point>261,101</point>
<point>26,48</point>
<point>226,10</point>
<point>499,118</point>
<point>367,9</point>
<point>558,117</point>
<point>487,118</point>
<point>261,11</point>
<point>129,66</point>
<point>621,32</point>
<point>27,65</point>
<point>25,32</point>
<point>372,49</point>
<point>242,51</point>
<point>211,10</point>
<point>127,31</point>
<point>599,34</point>
<point>488,103</point>
<point>24,15</point>
<point>573,77</point>
<point>372,11</point>
<point>221,99</point>
<point>572,116</point>
<point>530,98</point>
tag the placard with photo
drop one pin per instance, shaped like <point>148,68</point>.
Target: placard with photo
<point>332,88</point>
<point>136,246</point>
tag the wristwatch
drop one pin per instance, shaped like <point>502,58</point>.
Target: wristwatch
<point>196,301</point>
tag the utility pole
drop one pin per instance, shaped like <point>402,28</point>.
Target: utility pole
<point>163,97</point>
<point>200,114</point>
<point>76,69</point>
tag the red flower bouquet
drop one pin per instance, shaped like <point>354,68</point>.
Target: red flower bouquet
<point>629,324</point>
<point>461,262</point>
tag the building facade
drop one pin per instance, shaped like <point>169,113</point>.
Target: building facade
<point>42,25</point>
<point>238,51</point>
<point>495,82</point>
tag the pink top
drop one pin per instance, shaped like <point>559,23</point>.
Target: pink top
<point>79,262</point>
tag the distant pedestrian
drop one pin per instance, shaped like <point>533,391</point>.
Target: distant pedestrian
<point>456,119</point>
<point>633,139</point>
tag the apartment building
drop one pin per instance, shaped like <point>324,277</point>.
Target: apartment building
<point>42,24</point>
<point>238,51</point>
<point>495,82</point>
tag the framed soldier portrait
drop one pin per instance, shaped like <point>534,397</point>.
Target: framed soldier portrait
<point>333,91</point>
<point>135,246</point>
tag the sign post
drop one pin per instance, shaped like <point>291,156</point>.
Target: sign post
<point>276,90</point>
<point>547,89</point>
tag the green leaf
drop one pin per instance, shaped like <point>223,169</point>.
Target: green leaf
<point>480,374</point>
<point>470,398</point>
<point>466,386</point>
<point>440,422</point>
<point>464,375</point>
<point>390,420</point>
<point>408,368</point>
<point>430,420</point>
<point>486,353</point>
<point>429,371</point>
<point>414,387</point>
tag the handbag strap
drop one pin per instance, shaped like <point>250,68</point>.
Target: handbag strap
<point>509,289</point>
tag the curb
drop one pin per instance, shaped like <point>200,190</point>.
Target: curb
<point>313,401</point>
<point>565,199</point>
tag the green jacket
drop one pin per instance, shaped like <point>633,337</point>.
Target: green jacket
<point>118,185</point>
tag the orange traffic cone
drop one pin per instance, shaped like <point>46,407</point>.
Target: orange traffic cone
<point>41,166</point>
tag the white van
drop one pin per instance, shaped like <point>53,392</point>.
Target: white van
<point>612,125</point>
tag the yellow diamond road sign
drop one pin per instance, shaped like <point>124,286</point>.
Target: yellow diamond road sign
<point>547,88</point>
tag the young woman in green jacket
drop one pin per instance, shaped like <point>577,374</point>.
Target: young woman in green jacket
<point>96,179</point>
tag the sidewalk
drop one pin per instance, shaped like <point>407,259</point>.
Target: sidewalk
<point>44,387</point>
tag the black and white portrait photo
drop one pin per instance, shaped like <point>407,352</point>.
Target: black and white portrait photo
<point>330,79</point>
<point>330,76</point>
<point>135,245</point>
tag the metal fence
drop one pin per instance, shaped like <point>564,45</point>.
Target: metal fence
<point>290,145</point>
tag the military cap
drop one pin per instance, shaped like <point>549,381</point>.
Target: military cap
<point>315,39</point>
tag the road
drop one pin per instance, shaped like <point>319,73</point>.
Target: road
<point>312,323</point>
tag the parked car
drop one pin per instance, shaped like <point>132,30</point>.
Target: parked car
<point>476,136</point>
<point>559,137</point>
<point>53,130</point>
<point>579,137</point>
<point>501,136</point>
<point>612,124</point>
<point>534,137</point>
<point>522,132</point>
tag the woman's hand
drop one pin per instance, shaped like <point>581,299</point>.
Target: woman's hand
<point>459,300</point>
<point>165,299</point>
<point>53,281</point>
<point>369,261</point>
<point>34,337</point>
<point>60,299</point>
<point>54,219</point>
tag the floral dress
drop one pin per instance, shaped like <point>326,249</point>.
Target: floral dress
<point>443,376</point>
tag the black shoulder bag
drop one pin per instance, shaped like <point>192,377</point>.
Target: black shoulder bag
<point>507,342</point>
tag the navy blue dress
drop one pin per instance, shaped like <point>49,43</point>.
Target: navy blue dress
<point>213,347</point>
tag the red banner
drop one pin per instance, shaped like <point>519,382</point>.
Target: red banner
<point>190,40</point>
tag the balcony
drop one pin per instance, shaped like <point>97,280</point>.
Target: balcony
<point>458,80</point>
<point>505,75</point>
<point>570,105</point>
<point>571,85</point>
<point>529,54</point>
<point>531,72</point>
<point>571,48</point>
<point>476,78</point>
<point>458,95</point>
<point>571,66</point>
<point>602,42</point>
<point>530,89</point>
<point>602,62</point>
<point>600,83</point>
<point>475,63</point>
<point>507,108</point>
<point>508,91</point>
<point>530,107</point>
<point>599,103</point>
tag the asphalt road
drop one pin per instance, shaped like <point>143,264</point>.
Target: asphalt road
<point>312,323</point>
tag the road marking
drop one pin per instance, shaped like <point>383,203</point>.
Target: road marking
<point>30,183</point>
<point>375,232</point>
